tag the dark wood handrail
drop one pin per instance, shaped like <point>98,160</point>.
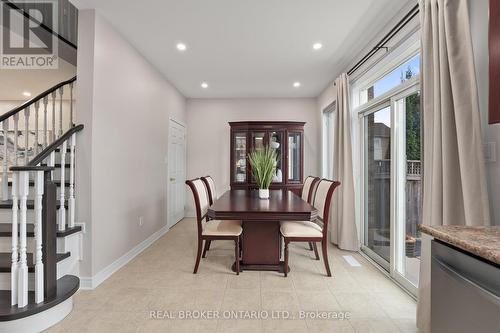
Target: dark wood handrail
<point>53,146</point>
<point>32,168</point>
<point>35,99</point>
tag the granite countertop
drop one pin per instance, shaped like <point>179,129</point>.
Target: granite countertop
<point>481,241</point>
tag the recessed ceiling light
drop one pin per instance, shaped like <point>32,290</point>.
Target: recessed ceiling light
<point>181,46</point>
<point>204,85</point>
<point>296,84</point>
<point>317,46</point>
<point>27,94</point>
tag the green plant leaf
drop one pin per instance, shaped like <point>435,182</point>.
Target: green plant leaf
<point>263,163</point>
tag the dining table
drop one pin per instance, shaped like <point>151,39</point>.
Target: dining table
<point>261,241</point>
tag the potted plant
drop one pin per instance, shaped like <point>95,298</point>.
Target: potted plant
<point>263,163</point>
<point>410,243</point>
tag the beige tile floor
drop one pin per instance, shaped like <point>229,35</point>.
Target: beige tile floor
<point>161,279</point>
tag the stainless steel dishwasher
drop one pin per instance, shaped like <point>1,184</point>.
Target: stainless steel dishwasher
<point>465,292</point>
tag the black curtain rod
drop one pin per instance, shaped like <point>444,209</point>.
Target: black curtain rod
<point>381,45</point>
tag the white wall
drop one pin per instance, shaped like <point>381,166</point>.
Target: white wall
<point>208,141</point>
<point>479,12</point>
<point>125,105</point>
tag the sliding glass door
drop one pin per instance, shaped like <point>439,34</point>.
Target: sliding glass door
<point>377,222</point>
<point>392,188</point>
<point>408,187</point>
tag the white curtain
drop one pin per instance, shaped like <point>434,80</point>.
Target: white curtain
<point>343,231</point>
<point>454,183</point>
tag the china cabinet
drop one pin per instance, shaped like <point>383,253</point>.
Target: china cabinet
<point>286,137</point>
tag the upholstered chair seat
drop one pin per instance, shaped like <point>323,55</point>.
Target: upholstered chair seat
<point>222,228</point>
<point>301,229</point>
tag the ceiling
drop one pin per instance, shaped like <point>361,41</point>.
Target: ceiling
<point>244,48</point>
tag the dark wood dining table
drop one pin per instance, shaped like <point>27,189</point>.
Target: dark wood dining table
<point>261,249</point>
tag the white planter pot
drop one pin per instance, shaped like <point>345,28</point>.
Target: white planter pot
<point>263,193</point>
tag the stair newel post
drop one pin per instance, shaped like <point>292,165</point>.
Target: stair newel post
<point>61,91</point>
<point>39,187</point>
<point>49,238</point>
<point>5,174</point>
<point>26,133</point>
<point>71,222</point>
<point>53,116</point>
<point>22,282</point>
<point>16,137</point>
<point>62,209</point>
<point>71,104</point>
<point>14,240</point>
<point>37,106</point>
<point>45,140</point>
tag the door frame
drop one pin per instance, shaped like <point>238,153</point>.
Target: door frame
<point>167,160</point>
<point>398,186</point>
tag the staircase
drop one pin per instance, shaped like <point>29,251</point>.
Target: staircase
<point>39,240</point>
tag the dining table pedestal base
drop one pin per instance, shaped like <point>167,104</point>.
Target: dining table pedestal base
<point>261,247</point>
<point>257,267</point>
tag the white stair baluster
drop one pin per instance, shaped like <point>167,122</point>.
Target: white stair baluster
<point>71,105</point>
<point>71,202</point>
<point>39,185</point>
<point>54,116</point>
<point>14,240</point>
<point>22,282</point>
<point>5,174</point>
<point>16,137</point>
<point>26,134</point>
<point>37,106</point>
<point>61,91</point>
<point>45,140</point>
<point>62,210</point>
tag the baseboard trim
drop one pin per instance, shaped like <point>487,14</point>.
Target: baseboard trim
<point>101,276</point>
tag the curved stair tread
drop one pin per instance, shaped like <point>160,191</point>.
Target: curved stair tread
<point>6,261</point>
<point>66,287</point>
<point>6,230</point>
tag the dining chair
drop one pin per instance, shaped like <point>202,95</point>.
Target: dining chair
<point>307,190</point>
<point>306,231</point>
<point>212,196</point>
<point>209,230</point>
<point>210,184</point>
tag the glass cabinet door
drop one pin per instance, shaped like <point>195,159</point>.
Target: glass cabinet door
<point>258,143</point>
<point>240,157</point>
<point>294,158</point>
<point>276,143</point>
<point>258,140</point>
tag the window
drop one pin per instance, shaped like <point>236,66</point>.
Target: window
<point>402,73</point>
<point>328,125</point>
